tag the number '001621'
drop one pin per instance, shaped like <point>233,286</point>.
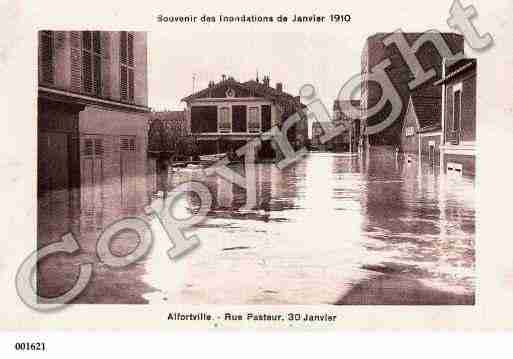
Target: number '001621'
<point>27,346</point>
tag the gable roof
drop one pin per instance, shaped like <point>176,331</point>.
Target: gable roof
<point>426,105</point>
<point>428,111</point>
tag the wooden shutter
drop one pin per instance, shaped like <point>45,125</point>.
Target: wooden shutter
<point>76,61</point>
<point>126,57</point>
<point>123,83</point>
<point>122,47</point>
<point>87,68</point>
<point>106,67</point>
<point>46,55</point>
<point>131,84</point>
<point>130,48</point>
<point>97,62</point>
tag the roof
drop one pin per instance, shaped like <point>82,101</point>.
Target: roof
<point>286,100</point>
<point>452,68</point>
<point>428,110</point>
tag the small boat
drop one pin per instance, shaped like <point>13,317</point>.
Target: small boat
<point>212,158</point>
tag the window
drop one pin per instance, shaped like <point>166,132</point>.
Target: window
<point>239,123</point>
<point>46,56</point>
<point>254,120</point>
<point>204,119</point>
<point>266,117</point>
<point>410,131</point>
<point>225,123</point>
<point>127,144</point>
<point>126,54</point>
<point>93,147</point>
<point>92,62</point>
<point>456,111</point>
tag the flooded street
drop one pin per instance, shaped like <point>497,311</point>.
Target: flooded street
<point>331,229</point>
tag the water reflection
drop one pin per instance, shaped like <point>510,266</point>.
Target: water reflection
<point>324,229</point>
<point>332,228</point>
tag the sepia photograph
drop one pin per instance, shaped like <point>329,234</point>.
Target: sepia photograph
<point>233,172</point>
<point>250,169</point>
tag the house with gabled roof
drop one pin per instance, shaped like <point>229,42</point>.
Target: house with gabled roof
<point>422,127</point>
<point>226,115</point>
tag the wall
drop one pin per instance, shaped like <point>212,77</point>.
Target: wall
<point>121,171</point>
<point>374,52</point>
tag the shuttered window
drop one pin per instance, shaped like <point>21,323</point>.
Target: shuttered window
<point>127,144</point>
<point>254,120</point>
<point>456,111</point>
<point>46,56</point>
<point>93,147</point>
<point>127,65</point>
<point>225,122</point>
<point>266,117</point>
<point>92,62</point>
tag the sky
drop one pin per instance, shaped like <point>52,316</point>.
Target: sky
<point>324,55</point>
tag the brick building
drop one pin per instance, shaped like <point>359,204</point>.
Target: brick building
<point>375,51</point>
<point>458,151</point>
<point>92,117</point>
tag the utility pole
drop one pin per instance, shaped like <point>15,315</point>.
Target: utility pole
<point>193,82</point>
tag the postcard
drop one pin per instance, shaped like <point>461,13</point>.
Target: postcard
<point>280,166</point>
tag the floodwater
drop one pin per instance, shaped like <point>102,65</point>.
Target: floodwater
<point>329,229</point>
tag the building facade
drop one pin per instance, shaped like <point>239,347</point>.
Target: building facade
<point>228,114</point>
<point>348,141</point>
<point>421,134</point>
<point>458,151</point>
<point>317,133</point>
<point>92,117</point>
<point>375,51</point>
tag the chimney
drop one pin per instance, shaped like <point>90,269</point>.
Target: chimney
<point>279,87</point>
<point>223,77</point>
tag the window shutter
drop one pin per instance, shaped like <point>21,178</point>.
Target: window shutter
<point>106,68</point>
<point>130,48</point>
<point>87,70</point>
<point>46,57</point>
<point>60,39</point>
<point>98,147</point>
<point>98,75</point>
<point>88,147</point>
<point>127,143</point>
<point>131,84</point>
<point>123,47</point>
<point>87,73</point>
<point>124,83</point>
<point>76,61</point>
